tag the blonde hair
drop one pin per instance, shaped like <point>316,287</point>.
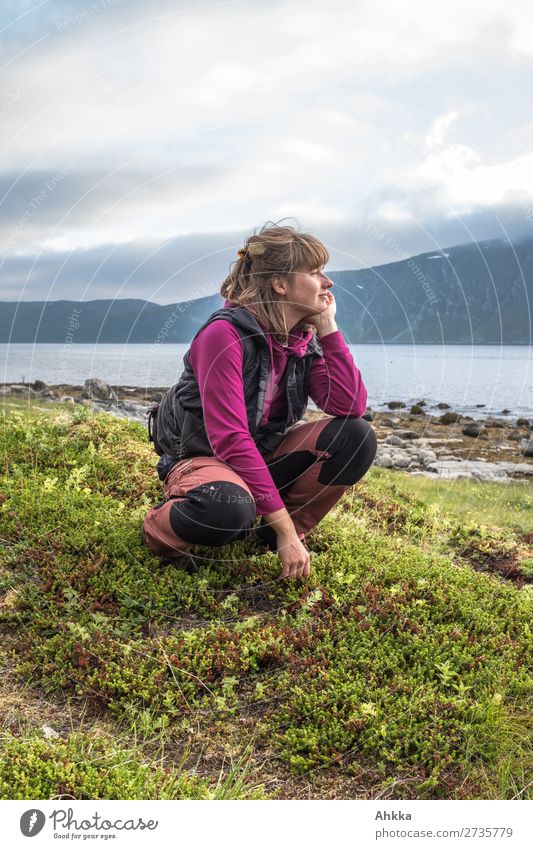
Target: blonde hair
<point>275,250</point>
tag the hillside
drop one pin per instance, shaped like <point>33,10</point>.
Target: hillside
<point>475,293</point>
<point>400,669</point>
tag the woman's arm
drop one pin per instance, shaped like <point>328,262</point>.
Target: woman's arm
<point>335,383</point>
<point>216,359</point>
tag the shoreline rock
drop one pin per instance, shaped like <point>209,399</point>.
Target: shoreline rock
<point>448,446</point>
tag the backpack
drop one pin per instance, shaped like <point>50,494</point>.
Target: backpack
<point>152,427</point>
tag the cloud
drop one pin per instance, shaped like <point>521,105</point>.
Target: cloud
<point>163,271</point>
<point>462,178</point>
<point>194,266</point>
<point>82,206</point>
<point>191,124</point>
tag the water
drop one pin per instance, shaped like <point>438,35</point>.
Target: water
<point>461,375</point>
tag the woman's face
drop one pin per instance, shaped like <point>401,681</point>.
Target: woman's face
<point>306,291</point>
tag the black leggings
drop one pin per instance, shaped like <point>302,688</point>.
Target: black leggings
<point>353,444</point>
<point>219,512</point>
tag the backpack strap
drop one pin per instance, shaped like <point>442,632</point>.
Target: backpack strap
<point>152,423</point>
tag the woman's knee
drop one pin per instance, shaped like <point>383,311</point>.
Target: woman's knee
<point>352,444</point>
<point>365,440</point>
<point>214,513</point>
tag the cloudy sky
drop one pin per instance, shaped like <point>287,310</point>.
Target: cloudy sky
<point>142,142</point>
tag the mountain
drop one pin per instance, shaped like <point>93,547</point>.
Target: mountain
<point>478,293</point>
<point>127,320</point>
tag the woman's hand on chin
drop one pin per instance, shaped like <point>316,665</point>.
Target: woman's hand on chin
<point>324,320</point>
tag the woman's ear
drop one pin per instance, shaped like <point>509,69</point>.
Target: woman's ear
<point>279,285</point>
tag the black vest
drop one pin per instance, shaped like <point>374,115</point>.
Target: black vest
<point>180,426</point>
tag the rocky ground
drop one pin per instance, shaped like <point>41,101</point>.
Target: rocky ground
<point>437,442</point>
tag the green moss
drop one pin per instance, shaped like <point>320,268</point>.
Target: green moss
<point>86,767</point>
<point>403,653</point>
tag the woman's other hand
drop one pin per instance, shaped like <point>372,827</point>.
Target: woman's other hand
<point>294,556</point>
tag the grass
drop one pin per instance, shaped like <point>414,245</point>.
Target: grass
<point>508,505</point>
<point>401,668</point>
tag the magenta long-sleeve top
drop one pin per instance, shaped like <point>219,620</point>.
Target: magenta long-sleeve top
<point>216,357</point>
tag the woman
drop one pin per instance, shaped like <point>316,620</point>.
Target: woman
<point>230,433</point>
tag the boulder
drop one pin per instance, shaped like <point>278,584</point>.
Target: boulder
<point>442,406</point>
<point>22,389</point>
<point>395,405</point>
<point>389,421</point>
<point>394,440</point>
<point>408,434</point>
<point>449,418</point>
<point>473,428</point>
<point>401,461</point>
<point>98,390</point>
<point>522,422</point>
<point>416,409</point>
<point>492,422</point>
<point>38,386</point>
<point>528,449</point>
<point>136,407</point>
<point>384,460</point>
